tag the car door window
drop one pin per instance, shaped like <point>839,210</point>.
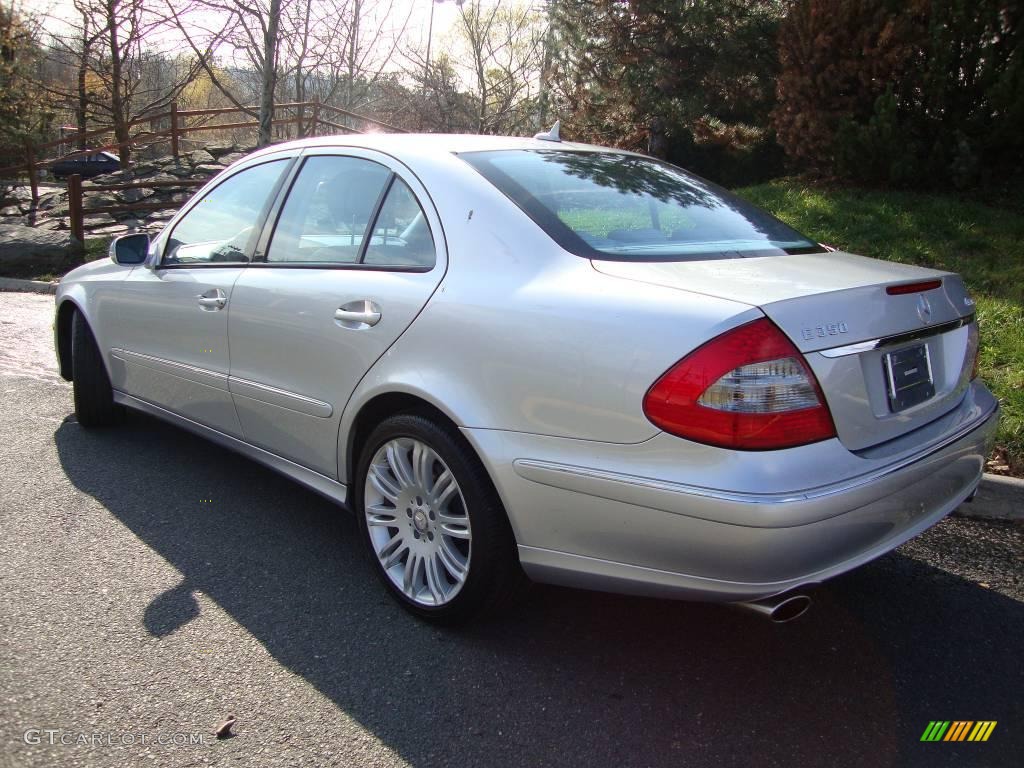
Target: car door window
<point>400,236</point>
<point>220,227</point>
<point>328,211</point>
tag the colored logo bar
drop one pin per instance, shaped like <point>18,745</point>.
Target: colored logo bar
<point>958,730</point>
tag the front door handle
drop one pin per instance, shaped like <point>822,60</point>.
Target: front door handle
<point>357,314</point>
<point>212,300</point>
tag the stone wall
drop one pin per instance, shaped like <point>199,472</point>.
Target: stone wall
<point>51,212</point>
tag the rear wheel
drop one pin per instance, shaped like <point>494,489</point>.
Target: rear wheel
<point>94,398</point>
<point>436,529</point>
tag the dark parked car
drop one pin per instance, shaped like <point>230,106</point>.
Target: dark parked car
<point>85,165</point>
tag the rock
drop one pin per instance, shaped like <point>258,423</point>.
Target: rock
<point>232,158</point>
<point>99,200</point>
<point>113,229</point>
<point>10,210</point>
<point>52,200</point>
<point>208,168</point>
<point>134,195</point>
<point>221,149</point>
<point>178,170</point>
<point>97,220</point>
<point>158,177</point>
<point>50,225</point>
<point>34,246</point>
<point>199,156</point>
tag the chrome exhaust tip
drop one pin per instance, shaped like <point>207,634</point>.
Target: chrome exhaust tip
<point>780,608</point>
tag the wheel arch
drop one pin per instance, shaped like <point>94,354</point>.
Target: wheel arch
<point>62,333</point>
<point>374,410</point>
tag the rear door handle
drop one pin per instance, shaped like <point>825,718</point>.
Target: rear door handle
<point>212,300</point>
<point>357,314</point>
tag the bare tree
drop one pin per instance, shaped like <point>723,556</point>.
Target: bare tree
<point>497,58</point>
<point>107,53</point>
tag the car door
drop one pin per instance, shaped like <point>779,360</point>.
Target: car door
<point>172,345</point>
<point>354,254</point>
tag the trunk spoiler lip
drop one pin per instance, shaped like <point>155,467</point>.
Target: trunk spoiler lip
<point>898,338</point>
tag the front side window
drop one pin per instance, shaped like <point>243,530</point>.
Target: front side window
<point>610,205</point>
<point>219,227</point>
<point>328,211</point>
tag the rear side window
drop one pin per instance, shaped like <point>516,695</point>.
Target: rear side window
<point>401,237</point>
<point>328,211</point>
<point>609,205</point>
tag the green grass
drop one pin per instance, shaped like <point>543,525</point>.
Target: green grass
<point>984,243</point>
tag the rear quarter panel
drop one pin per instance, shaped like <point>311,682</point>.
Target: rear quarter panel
<point>525,337</point>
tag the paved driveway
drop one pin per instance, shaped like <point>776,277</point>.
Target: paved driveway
<point>151,583</point>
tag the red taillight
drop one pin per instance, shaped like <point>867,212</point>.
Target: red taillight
<point>748,389</point>
<point>899,290</point>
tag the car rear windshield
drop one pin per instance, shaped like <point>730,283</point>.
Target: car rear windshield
<point>615,206</point>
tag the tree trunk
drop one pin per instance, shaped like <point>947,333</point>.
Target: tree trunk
<point>117,105</point>
<point>269,74</point>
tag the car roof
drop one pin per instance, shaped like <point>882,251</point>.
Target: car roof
<point>409,144</point>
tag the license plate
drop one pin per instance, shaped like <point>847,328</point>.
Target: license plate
<point>909,377</point>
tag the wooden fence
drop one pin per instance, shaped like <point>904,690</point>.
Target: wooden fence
<point>77,211</point>
<point>307,116</point>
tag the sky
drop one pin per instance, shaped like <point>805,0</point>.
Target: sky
<point>445,13</point>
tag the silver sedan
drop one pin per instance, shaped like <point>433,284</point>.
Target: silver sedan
<point>525,356</point>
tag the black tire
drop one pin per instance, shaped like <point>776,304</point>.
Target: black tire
<point>494,572</point>
<point>94,398</point>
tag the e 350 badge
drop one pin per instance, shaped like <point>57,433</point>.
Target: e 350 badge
<point>821,331</point>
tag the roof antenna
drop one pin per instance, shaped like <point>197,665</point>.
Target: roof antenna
<point>551,135</point>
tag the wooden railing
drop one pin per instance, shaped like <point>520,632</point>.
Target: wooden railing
<point>77,210</point>
<point>307,116</point>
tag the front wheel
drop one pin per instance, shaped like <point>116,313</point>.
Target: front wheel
<point>436,529</point>
<point>94,398</point>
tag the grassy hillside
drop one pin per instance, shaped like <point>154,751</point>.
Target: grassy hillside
<point>984,243</point>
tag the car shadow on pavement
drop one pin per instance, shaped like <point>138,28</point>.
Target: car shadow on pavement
<point>564,677</point>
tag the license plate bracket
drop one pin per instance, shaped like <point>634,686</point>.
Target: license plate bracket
<point>908,374</point>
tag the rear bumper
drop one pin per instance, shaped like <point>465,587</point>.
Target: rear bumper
<point>614,531</point>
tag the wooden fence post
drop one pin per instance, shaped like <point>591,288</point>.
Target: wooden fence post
<point>75,207</point>
<point>174,129</point>
<point>316,115</point>
<point>33,172</point>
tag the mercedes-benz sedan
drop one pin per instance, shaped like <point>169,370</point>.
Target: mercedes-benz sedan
<point>522,355</point>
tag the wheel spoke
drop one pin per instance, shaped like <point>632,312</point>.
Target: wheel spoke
<point>422,462</point>
<point>386,487</point>
<point>399,464</point>
<point>452,560</point>
<point>391,553</point>
<point>443,490</point>
<point>409,577</point>
<point>381,515</point>
<point>435,582</point>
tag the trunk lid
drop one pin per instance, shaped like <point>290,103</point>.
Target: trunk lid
<point>859,339</point>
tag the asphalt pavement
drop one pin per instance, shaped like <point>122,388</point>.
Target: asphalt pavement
<point>152,583</point>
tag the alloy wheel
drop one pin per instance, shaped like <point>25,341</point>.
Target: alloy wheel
<point>417,520</point>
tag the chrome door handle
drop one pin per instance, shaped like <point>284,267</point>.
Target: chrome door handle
<point>357,314</point>
<point>213,299</point>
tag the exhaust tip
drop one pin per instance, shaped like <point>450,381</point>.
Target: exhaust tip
<point>791,608</point>
<point>779,609</point>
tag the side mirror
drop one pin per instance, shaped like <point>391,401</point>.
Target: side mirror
<point>129,249</point>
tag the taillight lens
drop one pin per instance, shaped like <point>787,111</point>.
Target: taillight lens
<point>748,389</point>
